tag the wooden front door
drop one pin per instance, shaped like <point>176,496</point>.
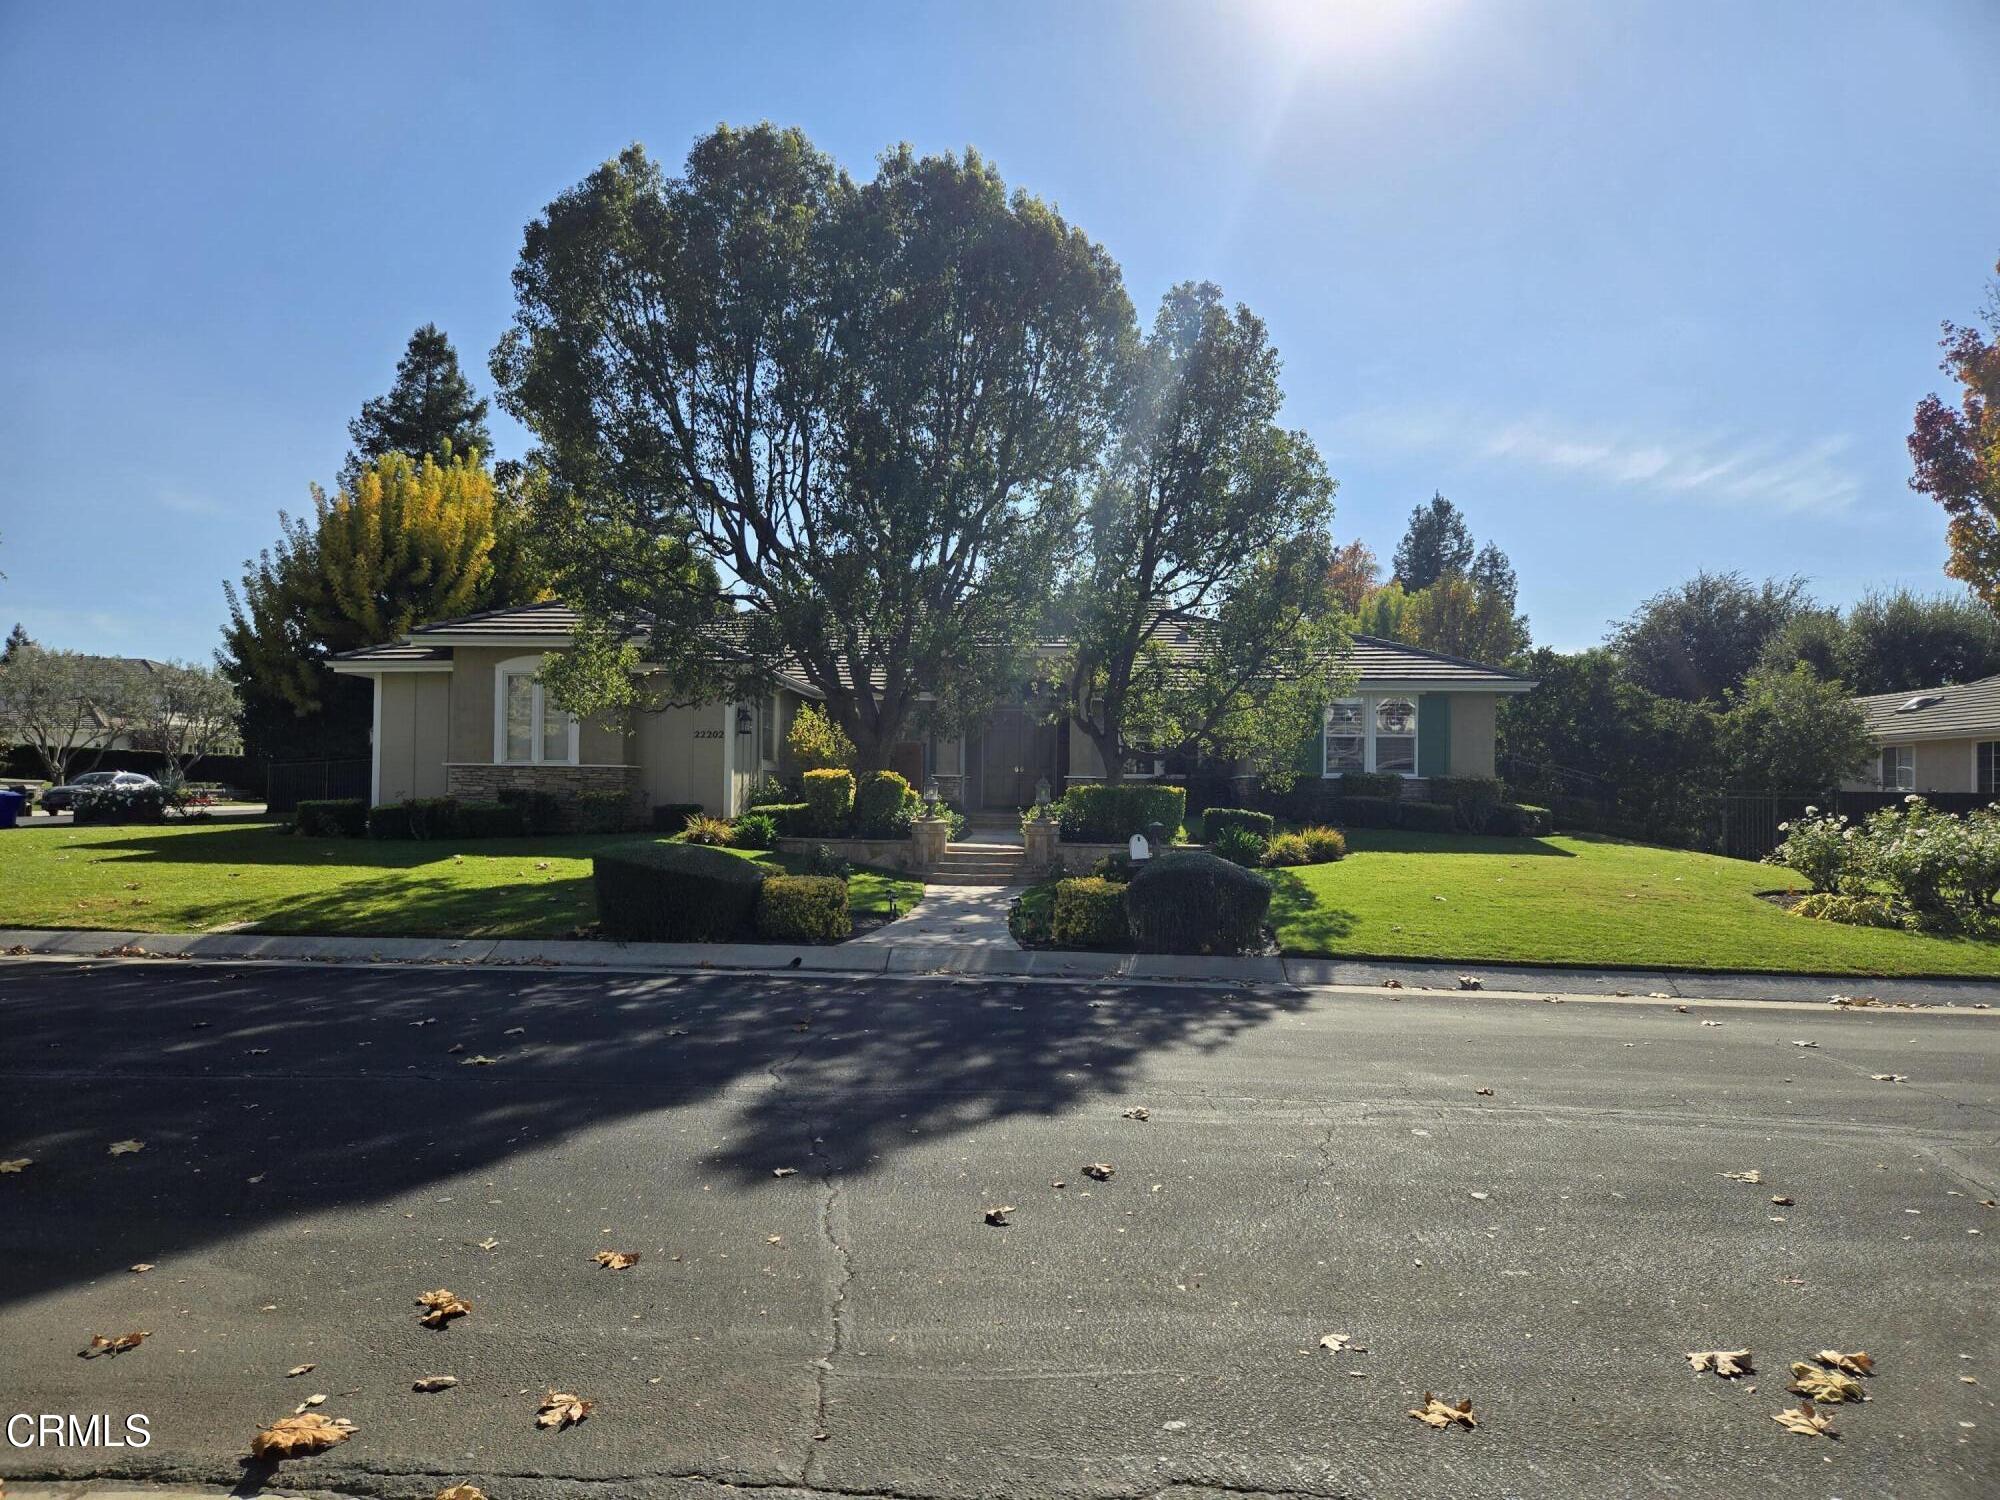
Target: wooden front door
<point>1015,752</point>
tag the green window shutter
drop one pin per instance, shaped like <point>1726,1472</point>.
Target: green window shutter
<point>1434,734</point>
<point>1312,755</point>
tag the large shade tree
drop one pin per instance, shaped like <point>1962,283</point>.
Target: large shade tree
<point>1201,612</point>
<point>848,418</point>
<point>1956,450</point>
<point>1700,639</point>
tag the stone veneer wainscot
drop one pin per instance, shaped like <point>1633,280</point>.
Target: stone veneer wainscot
<point>485,783</point>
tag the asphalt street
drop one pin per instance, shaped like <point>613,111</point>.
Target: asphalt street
<point>804,1167</point>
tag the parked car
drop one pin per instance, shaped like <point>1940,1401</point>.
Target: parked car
<point>57,799</point>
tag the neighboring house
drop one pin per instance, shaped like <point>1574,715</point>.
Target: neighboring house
<point>109,731</point>
<point>1943,739</point>
<point>458,712</point>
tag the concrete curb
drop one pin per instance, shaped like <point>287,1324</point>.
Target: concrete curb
<point>911,959</point>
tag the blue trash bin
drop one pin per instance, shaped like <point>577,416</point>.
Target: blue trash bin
<point>12,805</point>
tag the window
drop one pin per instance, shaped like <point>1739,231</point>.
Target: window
<point>1899,768</point>
<point>1371,734</point>
<point>529,730</point>
<point>767,739</point>
<point>1986,766</point>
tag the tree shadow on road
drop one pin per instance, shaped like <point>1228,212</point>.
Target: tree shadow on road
<point>263,1095</point>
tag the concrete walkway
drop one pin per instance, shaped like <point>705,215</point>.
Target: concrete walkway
<point>956,916</point>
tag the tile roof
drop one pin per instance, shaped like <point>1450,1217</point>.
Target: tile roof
<point>396,653</point>
<point>548,618</point>
<point>1952,712</point>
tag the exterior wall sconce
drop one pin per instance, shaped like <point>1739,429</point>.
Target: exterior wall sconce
<point>745,720</point>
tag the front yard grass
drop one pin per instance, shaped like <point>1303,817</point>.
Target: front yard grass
<point>204,877</point>
<point>1582,900</point>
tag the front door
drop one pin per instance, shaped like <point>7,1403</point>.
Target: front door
<point>1015,752</point>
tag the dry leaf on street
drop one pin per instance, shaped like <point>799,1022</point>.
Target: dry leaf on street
<point>99,1344</point>
<point>1484,1093</point>
<point>1100,1170</point>
<point>141,1268</point>
<point>1889,1077</point>
<point>1342,1343</point>
<point>1137,1112</point>
<point>560,1409</point>
<point>1471,982</point>
<point>1439,1414</point>
<point>1804,1421</point>
<point>1858,1363</point>
<point>434,1383</point>
<point>1752,1176</point>
<point>441,1307</point>
<point>309,1403</point>
<point>126,1148</point>
<point>1782,1200</point>
<point>461,1492</point>
<point>16,1164</point>
<point>295,1437</point>
<point>1728,1363</point>
<point>784,1171</point>
<point>999,1217</point>
<point>297,1370</point>
<point>1824,1385</point>
<point>480,1061</point>
<point>1711,1023</point>
<point>617,1260</point>
<point>489,1243</point>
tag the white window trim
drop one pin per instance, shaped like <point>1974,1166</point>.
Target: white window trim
<point>1899,752</point>
<point>527,666</point>
<point>1367,703</point>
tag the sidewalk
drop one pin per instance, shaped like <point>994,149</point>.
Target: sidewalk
<point>992,960</point>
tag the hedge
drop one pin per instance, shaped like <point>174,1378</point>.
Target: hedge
<point>447,818</point>
<point>803,909</point>
<point>1473,798</point>
<point>120,804</point>
<point>1364,812</point>
<point>1090,913</point>
<point>1428,817</point>
<point>541,812</point>
<point>672,817</point>
<point>829,802</point>
<point>1192,902</point>
<point>1518,820</point>
<point>1096,813</point>
<point>674,893</point>
<point>1262,824</point>
<point>1371,784</point>
<point>793,819</point>
<point>879,803</point>
<point>603,812</point>
<point>334,818</point>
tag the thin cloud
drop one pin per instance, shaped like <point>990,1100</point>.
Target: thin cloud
<point>1713,470</point>
<point>186,504</point>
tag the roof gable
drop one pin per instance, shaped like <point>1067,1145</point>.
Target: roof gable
<point>1957,711</point>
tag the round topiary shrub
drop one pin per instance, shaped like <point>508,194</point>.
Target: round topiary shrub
<point>674,893</point>
<point>803,909</point>
<point>1090,913</point>
<point>1196,903</point>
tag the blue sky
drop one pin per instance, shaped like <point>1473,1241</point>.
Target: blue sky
<point>1645,288</point>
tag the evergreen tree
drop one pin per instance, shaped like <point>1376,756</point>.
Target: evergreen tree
<point>17,642</point>
<point>1436,543</point>
<point>431,410</point>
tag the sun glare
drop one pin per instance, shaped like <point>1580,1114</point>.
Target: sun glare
<point>1349,31</point>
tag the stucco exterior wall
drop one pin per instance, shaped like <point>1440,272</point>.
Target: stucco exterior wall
<point>415,711</point>
<point>1085,763</point>
<point>683,756</point>
<point>1940,765</point>
<point>600,742</point>
<point>1473,717</point>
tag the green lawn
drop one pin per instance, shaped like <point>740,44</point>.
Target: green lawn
<point>228,875</point>
<point>1581,900</point>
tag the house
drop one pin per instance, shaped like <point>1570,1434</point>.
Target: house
<point>458,712</point>
<point>1943,739</point>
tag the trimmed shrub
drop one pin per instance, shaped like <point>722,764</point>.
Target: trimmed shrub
<point>829,802</point>
<point>1090,913</point>
<point>120,804</point>
<point>491,820</point>
<point>1473,797</point>
<point>1579,813</point>
<point>1284,849</point>
<point>883,803</point>
<point>803,909</point>
<point>716,833</point>
<point>1031,919</point>
<point>603,812</point>
<point>755,830</point>
<point>672,817</point>
<point>1427,817</point>
<point>1518,820</point>
<point>1238,845</point>
<point>674,893</point>
<point>1095,813</point>
<point>389,820</point>
<point>821,860</point>
<point>1371,784</point>
<point>1856,911</point>
<point>1116,867</point>
<point>1193,902</point>
<point>431,817</point>
<point>793,820</point>
<point>815,742</point>
<point>1216,819</point>
<point>541,812</point>
<point>334,818</point>
<point>766,792</point>
<point>1364,812</point>
<point>1310,846</point>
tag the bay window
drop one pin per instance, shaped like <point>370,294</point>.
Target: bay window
<point>1371,733</point>
<point>529,730</point>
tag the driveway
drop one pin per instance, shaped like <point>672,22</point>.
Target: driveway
<point>805,1167</point>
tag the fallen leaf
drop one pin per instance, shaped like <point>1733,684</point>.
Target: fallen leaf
<point>1728,1363</point>
<point>1804,1421</point>
<point>318,1399</point>
<point>1392,984</point>
<point>1781,1200</point>
<point>141,1268</point>
<point>442,1307</point>
<point>126,1148</point>
<point>1100,1170</point>
<point>1711,1023</point>
<point>434,1383</point>
<point>17,1164</point>
<point>1471,982</point>
<point>479,1061</point>
<point>1137,1112</point>
<point>297,1370</point>
<point>998,1217</point>
<point>774,1239</point>
<point>515,1031</point>
<point>1858,1363</point>
<point>784,1171</point>
<point>1805,1044</point>
<point>617,1260</point>
<point>560,1409</point>
<point>1889,1077</point>
<point>489,1243</point>
<point>1481,1197</point>
<point>1824,1385</point>
<point>1438,1414</point>
<point>1342,1343</point>
<point>460,1492</point>
<point>297,1436</point>
<point>99,1344</point>
<point>1682,1010</point>
<point>1751,1176</point>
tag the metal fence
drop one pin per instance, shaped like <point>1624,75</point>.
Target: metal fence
<point>316,780</point>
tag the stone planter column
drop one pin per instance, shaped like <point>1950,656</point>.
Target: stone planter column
<point>1039,835</point>
<point>928,836</point>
